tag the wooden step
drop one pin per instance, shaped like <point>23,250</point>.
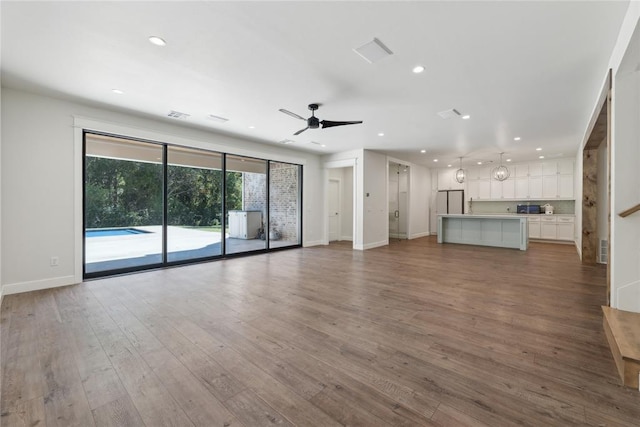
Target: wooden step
<point>623,333</point>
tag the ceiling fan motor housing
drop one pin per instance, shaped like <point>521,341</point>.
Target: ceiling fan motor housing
<point>313,122</point>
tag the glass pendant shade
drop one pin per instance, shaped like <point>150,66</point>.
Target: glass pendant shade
<point>501,172</point>
<point>460,173</point>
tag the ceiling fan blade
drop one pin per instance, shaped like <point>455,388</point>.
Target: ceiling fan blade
<point>301,130</point>
<point>282,110</point>
<point>329,123</point>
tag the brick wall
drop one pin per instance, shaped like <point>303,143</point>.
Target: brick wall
<point>283,199</point>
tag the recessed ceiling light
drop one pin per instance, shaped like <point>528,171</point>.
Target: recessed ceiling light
<point>118,91</point>
<point>538,149</point>
<point>418,69</point>
<point>323,145</point>
<point>252,127</point>
<point>158,41</point>
<point>466,117</point>
<point>541,157</point>
<point>508,160</point>
<point>381,134</point>
<point>435,160</point>
<point>479,163</point>
<point>517,138</point>
<point>423,151</point>
<point>448,166</point>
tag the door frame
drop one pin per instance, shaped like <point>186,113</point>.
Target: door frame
<point>357,233</point>
<point>408,203</point>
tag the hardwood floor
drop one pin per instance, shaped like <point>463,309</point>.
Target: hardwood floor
<point>415,333</point>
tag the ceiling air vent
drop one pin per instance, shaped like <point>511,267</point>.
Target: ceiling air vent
<point>373,51</point>
<point>217,119</point>
<point>177,115</point>
<point>447,114</point>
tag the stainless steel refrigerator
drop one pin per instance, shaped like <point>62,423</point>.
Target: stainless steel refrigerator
<point>450,202</point>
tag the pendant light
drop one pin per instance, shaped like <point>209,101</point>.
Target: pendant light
<point>460,173</point>
<point>501,172</point>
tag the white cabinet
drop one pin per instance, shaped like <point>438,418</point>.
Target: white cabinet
<point>522,187</point>
<point>565,230</point>
<point>509,189</point>
<point>447,180</point>
<point>565,186</point>
<point>503,189</point>
<point>565,167</point>
<point>550,186</point>
<point>535,187</point>
<point>473,189</point>
<point>554,227</point>
<point>549,168</point>
<point>535,169</point>
<point>244,224</point>
<point>484,189</point>
<point>548,228</point>
<point>521,171</point>
<point>534,226</point>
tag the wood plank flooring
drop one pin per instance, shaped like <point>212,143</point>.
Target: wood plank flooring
<point>412,334</point>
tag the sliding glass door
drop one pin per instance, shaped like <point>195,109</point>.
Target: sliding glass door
<point>194,204</point>
<point>246,202</point>
<point>152,204</point>
<point>123,190</point>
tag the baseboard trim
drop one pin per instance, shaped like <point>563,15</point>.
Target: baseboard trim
<point>313,243</point>
<point>36,285</point>
<point>375,244</point>
<point>347,238</point>
<point>418,235</point>
<point>1,295</point>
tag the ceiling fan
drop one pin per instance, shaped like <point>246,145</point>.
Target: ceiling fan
<point>313,122</point>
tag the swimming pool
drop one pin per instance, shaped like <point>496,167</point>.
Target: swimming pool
<point>107,232</point>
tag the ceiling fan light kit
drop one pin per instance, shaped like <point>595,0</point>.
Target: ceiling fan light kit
<point>314,123</point>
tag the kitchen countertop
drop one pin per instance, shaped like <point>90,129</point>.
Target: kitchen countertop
<point>493,216</point>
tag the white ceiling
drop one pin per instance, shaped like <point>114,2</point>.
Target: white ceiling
<point>520,69</point>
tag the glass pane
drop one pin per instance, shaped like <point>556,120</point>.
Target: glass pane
<point>194,211</point>
<point>246,204</point>
<point>123,203</point>
<point>284,205</point>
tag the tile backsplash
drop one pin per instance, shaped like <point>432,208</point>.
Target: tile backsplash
<point>487,207</point>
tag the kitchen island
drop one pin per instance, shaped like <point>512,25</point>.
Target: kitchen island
<point>504,231</point>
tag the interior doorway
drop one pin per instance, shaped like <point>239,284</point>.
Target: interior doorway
<point>398,200</point>
<point>340,201</point>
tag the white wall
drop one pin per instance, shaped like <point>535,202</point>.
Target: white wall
<point>625,178</point>
<point>347,204</point>
<point>40,182</point>
<point>419,201</point>
<point>625,158</point>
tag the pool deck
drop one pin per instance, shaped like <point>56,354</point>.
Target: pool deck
<point>111,252</point>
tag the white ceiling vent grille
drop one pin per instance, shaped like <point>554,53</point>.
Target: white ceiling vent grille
<point>217,119</point>
<point>373,51</point>
<point>448,114</point>
<point>177,115</point>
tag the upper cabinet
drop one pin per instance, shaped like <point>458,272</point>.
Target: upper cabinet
<point>447,180</point>
<point>546,180</point>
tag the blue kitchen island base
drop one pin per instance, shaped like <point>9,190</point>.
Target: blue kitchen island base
<point>503,231</point>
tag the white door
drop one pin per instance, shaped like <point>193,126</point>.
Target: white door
<point>334,210</point>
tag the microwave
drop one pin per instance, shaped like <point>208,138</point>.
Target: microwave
<point>528,209</point>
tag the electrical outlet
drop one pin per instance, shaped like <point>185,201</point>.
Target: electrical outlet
<point>55,261</point>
